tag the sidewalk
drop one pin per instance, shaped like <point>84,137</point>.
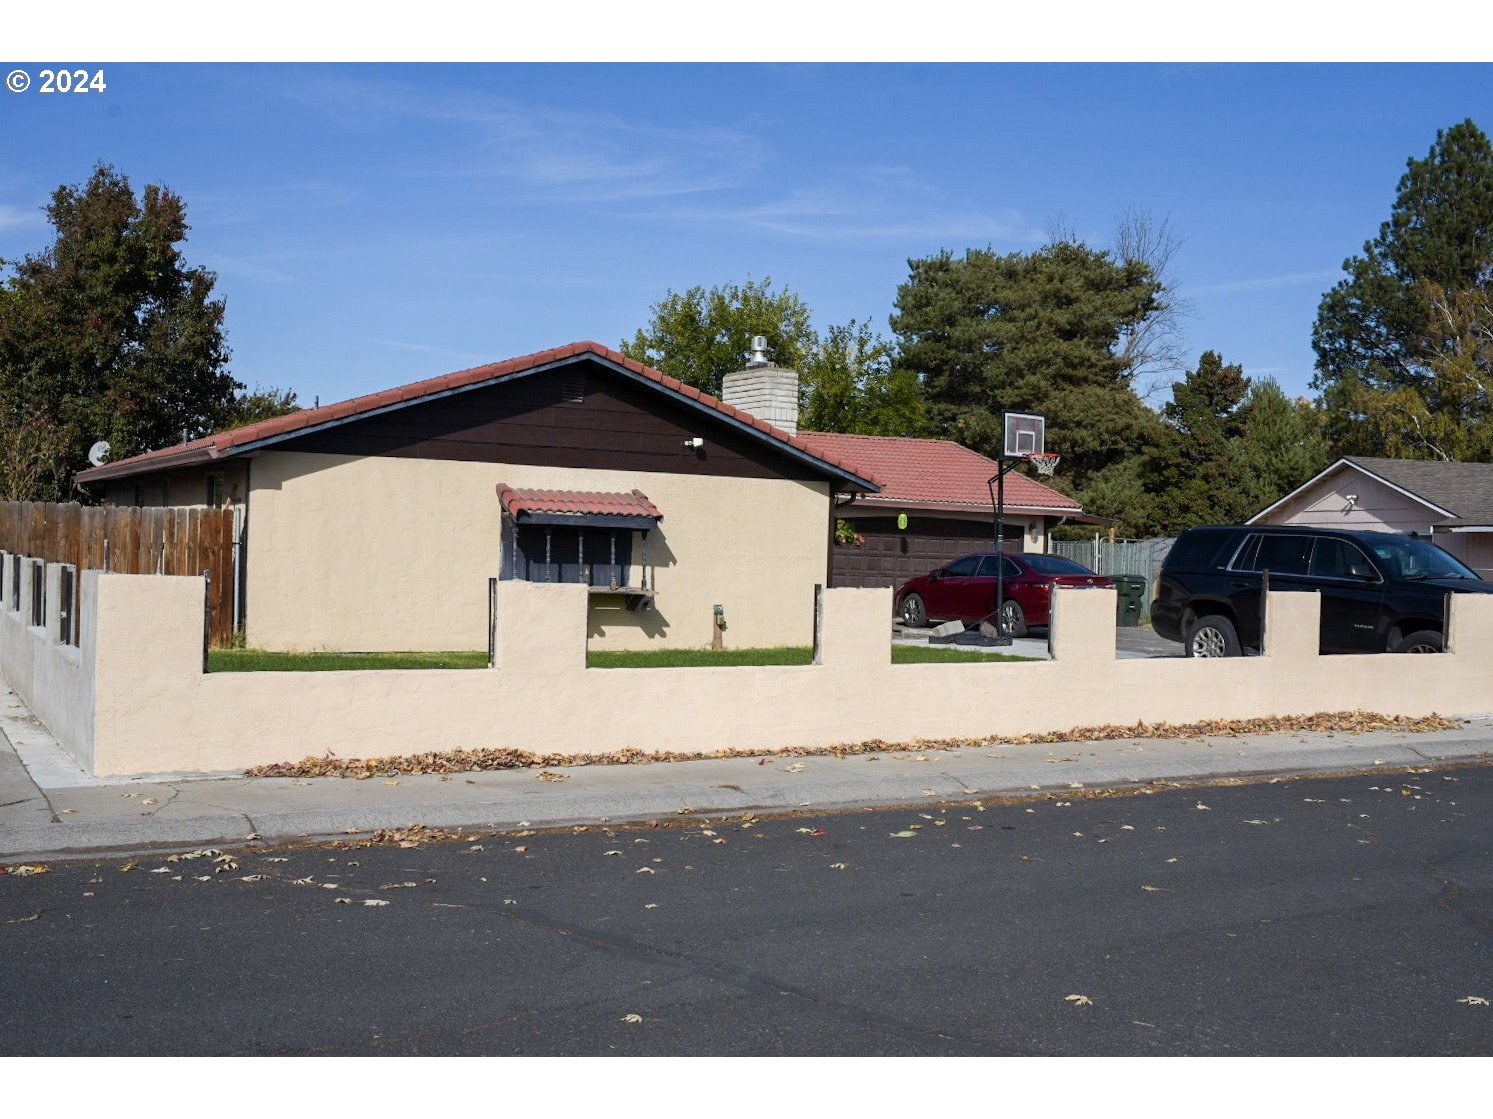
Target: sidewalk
<point>50,809</point>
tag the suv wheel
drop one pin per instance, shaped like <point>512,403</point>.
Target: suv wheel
<point>1421,641</point>
<point>1212,636</point>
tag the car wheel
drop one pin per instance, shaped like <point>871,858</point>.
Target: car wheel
<point>1212,636</point>
<point>1421,641</point>
<point>1013,621</point>
<point>913,613</point>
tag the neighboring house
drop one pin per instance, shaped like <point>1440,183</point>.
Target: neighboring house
<point>941,487</point>
<point>1451,503</point>
<point>375,524</point>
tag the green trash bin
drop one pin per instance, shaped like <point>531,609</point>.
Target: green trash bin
<point>1130,594</point>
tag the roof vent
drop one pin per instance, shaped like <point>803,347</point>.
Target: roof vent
<point>759,356</point>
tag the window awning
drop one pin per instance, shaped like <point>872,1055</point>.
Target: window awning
<point>579,508</point>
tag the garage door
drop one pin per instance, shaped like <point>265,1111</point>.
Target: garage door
<point>891,556</point>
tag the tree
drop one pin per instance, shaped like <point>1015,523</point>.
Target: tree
<point>1030,332</point>
<point>1283,442</point>
<point>1198,469</point>
<point>108,333</point>
<point>260,404</point>
<point>848,384</point>
<point>699,336</point>
<point>1152,348</point>
<point>1405,342</point>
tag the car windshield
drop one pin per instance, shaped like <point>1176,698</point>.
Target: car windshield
<point>1054,565</point>
<point>1410,558</point>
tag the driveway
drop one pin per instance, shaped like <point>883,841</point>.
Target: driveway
<point>1131,643</point>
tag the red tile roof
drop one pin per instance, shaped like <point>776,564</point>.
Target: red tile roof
<point>634,504</point>
<point>239,438</point>
<point>932,472</point>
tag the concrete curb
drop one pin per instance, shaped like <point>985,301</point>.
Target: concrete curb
<point>93,822</point>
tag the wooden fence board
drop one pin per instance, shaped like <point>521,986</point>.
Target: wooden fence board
<point>170,541</point>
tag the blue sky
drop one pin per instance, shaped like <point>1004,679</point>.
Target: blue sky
<point>373,224</point>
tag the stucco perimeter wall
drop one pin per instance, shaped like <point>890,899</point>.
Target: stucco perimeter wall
<point>53,679</point>
<point>157,712</point>
<point>385,553</point>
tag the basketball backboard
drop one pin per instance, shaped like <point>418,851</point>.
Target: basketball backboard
<point>1025,435</point>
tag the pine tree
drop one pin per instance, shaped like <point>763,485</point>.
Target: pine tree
<point>1405,342</point>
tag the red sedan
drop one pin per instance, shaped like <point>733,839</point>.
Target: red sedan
<point>965,589</point>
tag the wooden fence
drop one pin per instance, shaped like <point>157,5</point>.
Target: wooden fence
<point>133,541</point>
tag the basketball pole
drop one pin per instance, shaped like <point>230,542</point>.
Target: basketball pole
<point>997,485</point>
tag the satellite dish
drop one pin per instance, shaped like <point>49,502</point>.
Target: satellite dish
<point>98,452</point>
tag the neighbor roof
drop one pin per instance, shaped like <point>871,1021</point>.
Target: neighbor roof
<point>1461,492</point>
<point>934,473</point>
<point>241,440</point>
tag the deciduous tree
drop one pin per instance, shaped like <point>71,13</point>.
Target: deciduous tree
<point>108,333</point>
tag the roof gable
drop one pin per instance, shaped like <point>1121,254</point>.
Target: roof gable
<point>282,429</point>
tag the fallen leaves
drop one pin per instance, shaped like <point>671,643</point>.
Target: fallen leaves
<point>25,870</point>
<point>546,775</point>
<point>904,835</point>
<point>470,761</point>
<point>632,1019</point>
<point>1470,1000</point>
<point>1156,889</point>
<point>1079,1000</point>
<point>23,920</point>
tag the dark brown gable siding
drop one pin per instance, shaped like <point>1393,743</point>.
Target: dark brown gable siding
<point>890,556</point>
<point>616,425</point>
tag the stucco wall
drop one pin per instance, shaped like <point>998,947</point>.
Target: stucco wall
<point>383,553</point>
<point>155,710</point>
<point>179,488</point>
<point>54,680</point>
<point>1378,507</point>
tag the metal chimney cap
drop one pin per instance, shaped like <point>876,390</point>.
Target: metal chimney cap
<point>759,352</point>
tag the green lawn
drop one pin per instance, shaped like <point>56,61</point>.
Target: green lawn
<point>261,660</point>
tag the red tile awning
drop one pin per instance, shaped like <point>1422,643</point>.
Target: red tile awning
<point>579,507</point>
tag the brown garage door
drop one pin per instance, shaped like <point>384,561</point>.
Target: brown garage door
<point>891,556</point>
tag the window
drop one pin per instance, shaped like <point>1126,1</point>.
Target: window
<point>962,567</point>
<point>215,491</point>
<point>600,557</point>
<point>67,591</point>
<point>1055,565</point>
<point>38,593</point>
<point>1279,555</point>
<point>1337,559</point>
<point>139,496</point>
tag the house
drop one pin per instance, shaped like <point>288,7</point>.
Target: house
<point>1451,503</point>
<point>940,487</point>
<point>375,524</point>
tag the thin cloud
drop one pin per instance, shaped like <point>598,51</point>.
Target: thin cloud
<point>20,217</point>
<point>1268,283</point>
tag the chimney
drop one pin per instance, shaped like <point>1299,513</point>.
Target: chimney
<point>763,389</point>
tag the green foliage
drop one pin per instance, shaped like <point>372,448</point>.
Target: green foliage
<point>108,333</point>
<point>847,383</point>
<point>239,659</point>
<point>1405,342</point>
<point>1198,468</point>
<point>1283,442</point>
<point>261,404</point>
<point>699,336</point>
<point>1030,332</point>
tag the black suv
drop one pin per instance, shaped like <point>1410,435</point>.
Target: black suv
<point>1381,592</point>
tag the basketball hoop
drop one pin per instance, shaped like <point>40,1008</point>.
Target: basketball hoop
<point>1046,464</point>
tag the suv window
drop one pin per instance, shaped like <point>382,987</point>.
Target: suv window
<point>1338,559</point>
<point>965,566</point>
<point>1199,548</point>
<point>1280,555</point>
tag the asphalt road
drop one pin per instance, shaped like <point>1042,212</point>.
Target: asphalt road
<point>1329,916</point>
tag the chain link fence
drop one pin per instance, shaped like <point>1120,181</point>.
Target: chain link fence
<point>1123,557</point>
